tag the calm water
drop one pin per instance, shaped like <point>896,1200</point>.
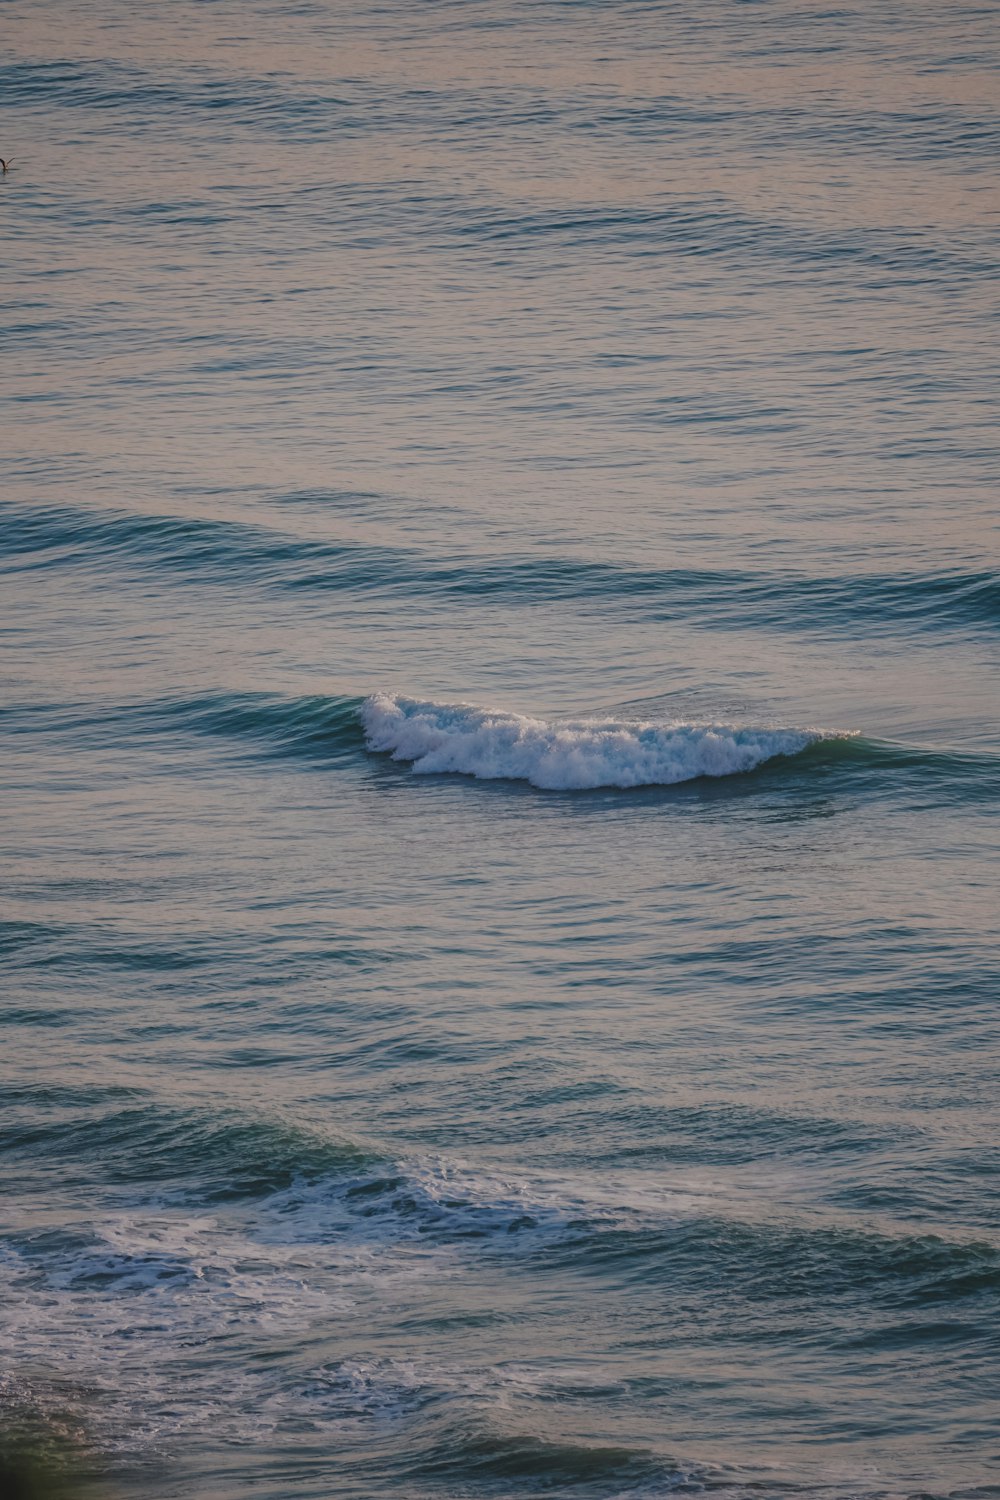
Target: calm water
<point>500,767</point>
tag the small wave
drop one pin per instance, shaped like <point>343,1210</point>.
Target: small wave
<point>181,1152</point>
<point>569,755</point>
<point>328,730</point>
<point>235,553</point>
<point>314,727</point>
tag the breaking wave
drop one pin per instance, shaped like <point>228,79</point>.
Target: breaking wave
<point>569,755</point>
<point>331,730</point>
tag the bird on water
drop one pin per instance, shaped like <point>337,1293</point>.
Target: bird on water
<point>5,164</point>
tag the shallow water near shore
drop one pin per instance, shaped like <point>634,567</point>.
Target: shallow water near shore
<point>500,766</point>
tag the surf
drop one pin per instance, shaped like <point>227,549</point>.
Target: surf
<point>572,754</point>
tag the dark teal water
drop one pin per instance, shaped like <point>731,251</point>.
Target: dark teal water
<point>500,768</point>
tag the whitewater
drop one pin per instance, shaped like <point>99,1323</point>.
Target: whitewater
<point>570,755</point>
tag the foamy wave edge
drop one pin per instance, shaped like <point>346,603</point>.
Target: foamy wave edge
<point>569,755</point>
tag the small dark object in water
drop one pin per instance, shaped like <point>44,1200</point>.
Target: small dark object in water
<point>5,164</point>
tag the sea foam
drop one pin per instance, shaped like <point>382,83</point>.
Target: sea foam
<point>568,755</point>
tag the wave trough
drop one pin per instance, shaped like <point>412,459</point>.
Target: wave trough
<point>568,755</point>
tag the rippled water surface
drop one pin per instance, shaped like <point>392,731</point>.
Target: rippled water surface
<point>500,767</point>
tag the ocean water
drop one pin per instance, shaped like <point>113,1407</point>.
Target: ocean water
<point>499,749</point>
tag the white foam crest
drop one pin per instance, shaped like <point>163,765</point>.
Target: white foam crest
<point>568,755</point>
<point>428,1214</point>
<point>554,1204</point>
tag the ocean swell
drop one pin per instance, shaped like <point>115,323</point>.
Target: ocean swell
<point>568,755</point>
